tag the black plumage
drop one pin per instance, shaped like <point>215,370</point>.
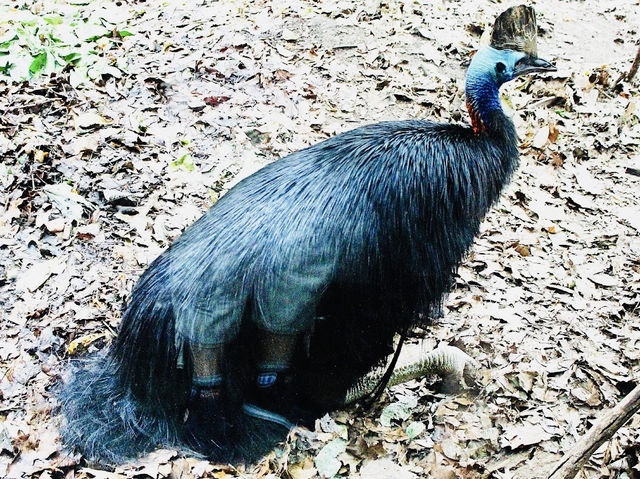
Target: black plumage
<point>350,242</point>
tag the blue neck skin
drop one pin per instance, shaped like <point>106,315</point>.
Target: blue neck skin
<point>483,100</point>
<point>483,83</point>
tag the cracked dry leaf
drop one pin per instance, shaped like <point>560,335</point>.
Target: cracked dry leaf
<point>383,469</point>
<point>38,274</point>
<point>524,435</point>
<point>68,201</point>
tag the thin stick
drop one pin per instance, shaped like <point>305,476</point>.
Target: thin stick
<point>634,66</point>
<point>632,71</point>
<point>601,431</point>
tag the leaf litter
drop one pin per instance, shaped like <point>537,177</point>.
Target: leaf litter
<point>136,118</point>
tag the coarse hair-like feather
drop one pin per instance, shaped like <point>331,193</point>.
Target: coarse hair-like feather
<point>363,231</point>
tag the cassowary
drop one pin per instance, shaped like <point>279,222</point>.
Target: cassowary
<point>294,284</point>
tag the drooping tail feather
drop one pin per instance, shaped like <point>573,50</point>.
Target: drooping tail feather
<point>145,352</point>
<point>108,425</point>
<point>135,397</point>
<point>128,401</point>
<point>104,421</point>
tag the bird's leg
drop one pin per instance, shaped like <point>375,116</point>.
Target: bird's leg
<point>448,362</point>
<point>206,370</point>
<point>451,365</point>
<point>276,351</point>
<point>273,393</point>
<point>207,415</point>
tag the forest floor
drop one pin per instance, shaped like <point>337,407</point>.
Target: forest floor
<point>168,104</point>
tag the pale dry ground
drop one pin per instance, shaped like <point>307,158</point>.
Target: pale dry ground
<point>547,300</point>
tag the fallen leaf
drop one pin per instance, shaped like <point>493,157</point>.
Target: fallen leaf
<point>326,460</point>
<point>68,202</point>
<point>605,280</point>
<point>587,181</point>
<point>384,469</point>
<point>216,100</point>
<point>39,273</point>
<point>289,35</point>
<point>82,342</point>
<point>541,137</point>
<point>524,435</point>
<point>89,119</point>
<point>415,429</point>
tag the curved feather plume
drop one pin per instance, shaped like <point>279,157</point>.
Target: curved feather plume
<point>515,29</point>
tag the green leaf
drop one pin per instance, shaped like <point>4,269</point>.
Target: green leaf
<point>398,411</point>
<point>39,44</point>
<point>184,161</point>
<point>415,429</point>
<point>4,46</point>
<point>73,57</point>
<point>53,19</point>
<point>6,67</point>
<point>38,64</point>
<point>29,22</point>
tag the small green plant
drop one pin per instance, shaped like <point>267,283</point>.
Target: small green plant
<point>61,34</point>
<point>185,162</point>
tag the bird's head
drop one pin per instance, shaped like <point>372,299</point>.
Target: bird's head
<point>501,66</point>
<point>511,52</point>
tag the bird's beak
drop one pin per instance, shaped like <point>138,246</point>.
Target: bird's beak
<point>531,64</point>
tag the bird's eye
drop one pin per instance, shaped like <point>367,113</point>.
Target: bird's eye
<point>500,67</point>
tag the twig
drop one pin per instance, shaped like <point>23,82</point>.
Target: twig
<point>632,71</point>
<point>29,105</point>
<point>601,431</point>
<point>634,66</point>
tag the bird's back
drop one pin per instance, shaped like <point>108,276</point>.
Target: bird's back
<point>380,200</point>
